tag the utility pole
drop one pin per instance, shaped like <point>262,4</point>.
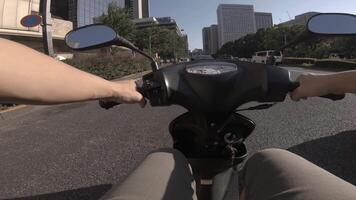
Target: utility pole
<point>47,27</point>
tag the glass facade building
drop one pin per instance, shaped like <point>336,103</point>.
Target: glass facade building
<point>88,10</point>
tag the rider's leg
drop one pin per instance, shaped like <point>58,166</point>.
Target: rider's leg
<point>280,175</point>
<point>164,174</point>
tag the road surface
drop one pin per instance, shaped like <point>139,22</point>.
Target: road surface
<point>79,151</point>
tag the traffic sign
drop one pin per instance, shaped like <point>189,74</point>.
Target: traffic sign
<point>31,21</point>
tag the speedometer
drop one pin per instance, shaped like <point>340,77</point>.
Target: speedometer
<point>214,68</point>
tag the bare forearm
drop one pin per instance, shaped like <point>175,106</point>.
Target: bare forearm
<point>27,76</point>
<point>341,83</point>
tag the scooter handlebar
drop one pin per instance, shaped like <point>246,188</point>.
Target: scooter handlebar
<point>110,104</point>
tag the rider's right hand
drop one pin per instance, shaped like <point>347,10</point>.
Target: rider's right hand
<point>311,86</point>
<point>126,92</point>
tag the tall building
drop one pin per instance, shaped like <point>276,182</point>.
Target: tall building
<point>214,42</point>
<point>263,20</point>
<point>138,8</point>
<point>301,19</point>
<point>234,22</point>
<point>88,10</point>
<point>206,40</point>
<point>145,9</point>
<point>210,40</point>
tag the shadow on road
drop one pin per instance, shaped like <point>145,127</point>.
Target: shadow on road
<point>90,193</point>
<point>335,154</point>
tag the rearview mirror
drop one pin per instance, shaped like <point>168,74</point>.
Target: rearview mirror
<point>332,24</point>
<point>90,37</point>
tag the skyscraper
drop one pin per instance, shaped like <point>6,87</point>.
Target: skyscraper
<point>145,9</point>
<point>235,21</point>
<point>206,40</point>
<point>210,40</point>
<point>138,8</point>
<point>88,10</point>
<point>263,20</point>
<point>214,36</point>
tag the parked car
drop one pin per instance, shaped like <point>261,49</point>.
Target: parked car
<point>262,57</point>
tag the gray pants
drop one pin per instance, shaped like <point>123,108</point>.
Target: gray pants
<point>164,174</point>
<point>271,174</point>
<point>280,175</point>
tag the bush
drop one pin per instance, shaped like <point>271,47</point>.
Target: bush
<point>336,64</point>
<point>298,61</point>
<point>110,66</point>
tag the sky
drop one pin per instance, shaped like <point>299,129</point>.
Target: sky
<point>193,15</point>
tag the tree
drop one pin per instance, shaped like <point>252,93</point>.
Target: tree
<point>167,43</point>
<point>120,20</point>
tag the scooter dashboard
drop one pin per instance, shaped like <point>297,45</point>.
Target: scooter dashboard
<point>211,68</point>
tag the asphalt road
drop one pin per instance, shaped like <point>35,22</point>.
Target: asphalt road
<point>79,151</point>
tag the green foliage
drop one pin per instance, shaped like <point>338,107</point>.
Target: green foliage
<point>119,19</point>
<point>110,66</point>
<point>298,61</point>
<point>335,64</point>
<point>275,38</point>
<point>167,43</point>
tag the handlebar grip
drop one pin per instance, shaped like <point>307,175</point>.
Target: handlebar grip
<point>334,97</point>
<point>108,104</point>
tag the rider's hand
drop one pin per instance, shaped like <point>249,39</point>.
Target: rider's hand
<point>310,86</point>
<point>126,92</point>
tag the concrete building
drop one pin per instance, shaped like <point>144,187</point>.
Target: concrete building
<point>210,40</point>
<point>235,21</point>
<point>301,19</point>
<point>11,13</point>
<point>169,23</point>
<point>263,20</point>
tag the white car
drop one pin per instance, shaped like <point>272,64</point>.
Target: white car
<point>262,57</point>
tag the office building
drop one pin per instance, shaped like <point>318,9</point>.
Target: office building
<point>263,20</point>
<point>145,9</point>
<point>301,19</point>
<point>234,22</point>
<point>206,40</point>
<point>210,40</point>
<point>138,8</point>
<point>88,10</point>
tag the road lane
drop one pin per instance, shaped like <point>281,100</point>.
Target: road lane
<point>54,151</point>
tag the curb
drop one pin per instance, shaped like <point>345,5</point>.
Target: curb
<point>13,109</point>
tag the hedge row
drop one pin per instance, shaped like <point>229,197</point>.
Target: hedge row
<point>320,63</point>
<point>108,66</point>
<point>339,64</point>
<point>298,61</point>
